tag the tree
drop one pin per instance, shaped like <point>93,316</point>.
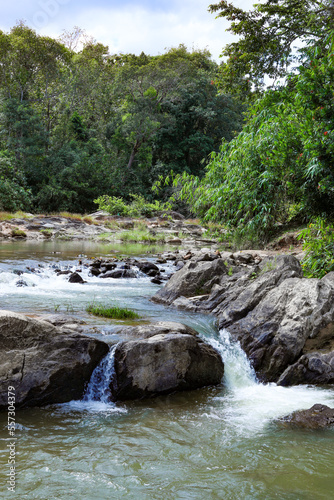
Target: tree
<point>281,164</point>
<point>267,37</point>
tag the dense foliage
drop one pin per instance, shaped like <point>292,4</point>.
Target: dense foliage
<point>78,125</point>
<point>282,163</point>
<point>267,39</point>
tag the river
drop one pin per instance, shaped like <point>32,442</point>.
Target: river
<point>213,443</point>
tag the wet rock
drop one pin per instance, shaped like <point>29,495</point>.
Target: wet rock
<point>61,273</point>
<point>119,273</point>
<point>21,283</point>
<point>313,368</point>
<point>18,272</point>
<point>156,281</point>
<point>44,363</point>
<point>194,278</point>
<point>147,267</point>
<point>76,278</point>
<point>164,363</point>
<point>95,271</point>
<point>318,417</point>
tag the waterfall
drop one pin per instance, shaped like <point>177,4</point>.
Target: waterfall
<point>238,371</point>
<point>99,385</point>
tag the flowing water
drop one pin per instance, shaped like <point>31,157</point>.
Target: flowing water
<point>213,443</point>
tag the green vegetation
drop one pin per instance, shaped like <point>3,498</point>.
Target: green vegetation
<point>318,243</point>
<point>112,312</point>
<point>18,233</point>
<point>46,232</point>
<point>142,134</point>
<point>281,165</point>
<point>138,207</point>
<point>75,126</point>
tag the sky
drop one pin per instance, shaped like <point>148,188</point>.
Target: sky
<point>127,25</point>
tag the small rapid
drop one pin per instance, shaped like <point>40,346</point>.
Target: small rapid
<point>248,405</point>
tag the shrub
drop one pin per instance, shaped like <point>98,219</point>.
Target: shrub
<point>318,243</point>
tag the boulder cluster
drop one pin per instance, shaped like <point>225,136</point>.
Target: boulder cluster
<point>284,322</point>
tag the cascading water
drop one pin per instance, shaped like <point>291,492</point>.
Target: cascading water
<point>99,385</point>
<point>238,370</point>
<point>249,405</point>
<point>214,442</point>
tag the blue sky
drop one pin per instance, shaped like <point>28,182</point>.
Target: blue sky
<point>127,25</point>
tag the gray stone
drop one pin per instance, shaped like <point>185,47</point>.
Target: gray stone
<point>44,363</point>
<point>194,278</point>
<point>318,417</point>
<point>164,363</point>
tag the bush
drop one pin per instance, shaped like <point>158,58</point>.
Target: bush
<point>113,205</point>
<point>318,243</point>
<point>138,207</point>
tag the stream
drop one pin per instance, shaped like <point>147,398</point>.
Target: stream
<point>213,443</point>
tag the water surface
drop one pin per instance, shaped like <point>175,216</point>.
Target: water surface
<point>217,443</point>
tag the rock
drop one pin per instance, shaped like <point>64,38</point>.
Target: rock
<point>61,319</point>
<point>194,278</point>
<point>318,417</point>
<point>174,215</point>
<point>147,267</point>
<point>44,363</point>
<point>21,283</point>
<point>278,320</point>
<point>157,328</point>
<point>164,363</point>
<point>76,278</point>
<point>94,271</point>
<point>312,368</point>
<point>119,273</point>
<point>175,241</point>
<point>156,281</point>
<point>60,273</point>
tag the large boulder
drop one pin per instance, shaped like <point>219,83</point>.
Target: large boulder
<point>318,417</point>
<point>45,364</point>
<point>175,360</point>
<point>287,328</point>
<point>284,322</point>
<point>195,278</point>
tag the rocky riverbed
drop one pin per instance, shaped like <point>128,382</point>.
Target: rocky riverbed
<point>283,321</point>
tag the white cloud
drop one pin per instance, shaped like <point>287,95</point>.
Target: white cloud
<point>135,28</point>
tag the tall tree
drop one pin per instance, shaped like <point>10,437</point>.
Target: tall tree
<point>267,35</point>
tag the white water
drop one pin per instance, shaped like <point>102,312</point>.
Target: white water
<point>216,442</point>
<point>249,405</point>
<point>99,385</point>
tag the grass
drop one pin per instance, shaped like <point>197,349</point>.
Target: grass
<point>17,215</point>
<point>46,232</point>
<point>18,233</point>
<point>112,312</point>
<point>67,215</point>
<point>139,235</point>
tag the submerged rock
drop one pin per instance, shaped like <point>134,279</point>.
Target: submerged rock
<point>44,364</point>
<point>170,358</point>
<point>318,417</point>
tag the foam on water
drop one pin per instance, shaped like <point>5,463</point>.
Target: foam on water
<point>249,405</point>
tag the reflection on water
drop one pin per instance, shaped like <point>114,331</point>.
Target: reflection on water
<point>215,443</point>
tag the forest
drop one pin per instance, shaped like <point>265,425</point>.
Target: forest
<point>247,143</point>
<point>78,124</point>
